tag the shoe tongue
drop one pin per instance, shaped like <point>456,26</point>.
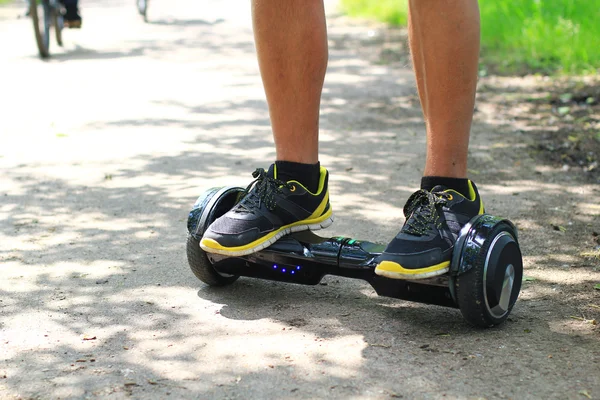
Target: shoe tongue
<point>272,172</point>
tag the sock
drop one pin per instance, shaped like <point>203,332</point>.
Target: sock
<point>308,175</point>
<point>461,185</point>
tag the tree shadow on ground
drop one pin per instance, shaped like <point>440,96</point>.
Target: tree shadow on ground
<point>101,278</point>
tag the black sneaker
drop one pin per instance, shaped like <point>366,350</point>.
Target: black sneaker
<point>72,19</point>
<point>424,246</point>
<point>269,210</point>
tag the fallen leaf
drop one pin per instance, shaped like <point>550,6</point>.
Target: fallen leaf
<point>88,337</point>
<point>585,393</point>
<point>559,228</point>
<point>528,279</point>
<point>566,97</point>
<point>563,110</point>
<point>597,286</point>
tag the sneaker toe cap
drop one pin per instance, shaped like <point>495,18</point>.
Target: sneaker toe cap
<point>232,240</point>
<point>231,225</point>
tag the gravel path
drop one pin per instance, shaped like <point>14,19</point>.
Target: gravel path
<point>104,149</point>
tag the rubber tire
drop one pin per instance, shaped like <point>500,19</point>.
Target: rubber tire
<point>469,290</point>
<point>58,23</point>
<point>142,6</point>
<point>202,267</point>
<point>43,43</point>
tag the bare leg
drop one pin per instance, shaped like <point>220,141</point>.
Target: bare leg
<point>291,42</point>
<point>444,40</point>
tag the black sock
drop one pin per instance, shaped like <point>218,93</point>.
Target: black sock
<point>461,185</point>
<point>308,175</point>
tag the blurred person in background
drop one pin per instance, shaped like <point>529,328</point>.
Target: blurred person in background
<point>71,17</point>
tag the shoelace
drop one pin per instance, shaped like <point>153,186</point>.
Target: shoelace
<point>260,191</point>
<point>420,209</point>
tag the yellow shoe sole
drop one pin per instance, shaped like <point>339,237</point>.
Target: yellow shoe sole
<point>393,270</point>
<point>212,246</point>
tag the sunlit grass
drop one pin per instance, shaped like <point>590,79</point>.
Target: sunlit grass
<point>390,11</point>
<point>558,36</point>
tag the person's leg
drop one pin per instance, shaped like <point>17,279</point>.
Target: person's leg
<point>444,42</point>
<point>72,17</point>
<point>291,42</point>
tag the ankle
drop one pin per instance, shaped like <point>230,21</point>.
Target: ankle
<point>461,185</point>
<point>308,175</point>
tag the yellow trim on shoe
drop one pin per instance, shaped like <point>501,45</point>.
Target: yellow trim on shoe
<point>473,197</point>
<point>321,207</point>
<point>472,194</point>
<point>212,246</point>
<point>393,270</point>
<point>321,182</point>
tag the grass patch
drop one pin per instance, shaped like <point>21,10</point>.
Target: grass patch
<point>553,36</point>
<point>389,11</point>
<point>558,36</point>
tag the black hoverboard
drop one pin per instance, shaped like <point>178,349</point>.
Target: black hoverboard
<point>483,282</point>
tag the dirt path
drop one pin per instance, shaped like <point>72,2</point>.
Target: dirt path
<point>104,149</point>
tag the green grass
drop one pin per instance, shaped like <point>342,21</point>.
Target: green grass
<point>390,11</point>
<point>558,36</point>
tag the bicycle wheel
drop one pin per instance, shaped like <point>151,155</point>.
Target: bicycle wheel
<point>142,6</point>
<point>57,21</point>
<point>40,13</point>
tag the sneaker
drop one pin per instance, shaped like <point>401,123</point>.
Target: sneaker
<point>424,246</point>
<point>269,210</point>
<point>72,19</point>
<point>73,23</point>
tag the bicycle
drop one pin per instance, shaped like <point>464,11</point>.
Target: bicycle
<point>142,6</point>
<point>46,14</point>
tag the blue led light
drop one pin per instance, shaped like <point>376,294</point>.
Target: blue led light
<point>283,270</point>
<point>297,267</point>
<point>293,272</point>
<point>275,266</point>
